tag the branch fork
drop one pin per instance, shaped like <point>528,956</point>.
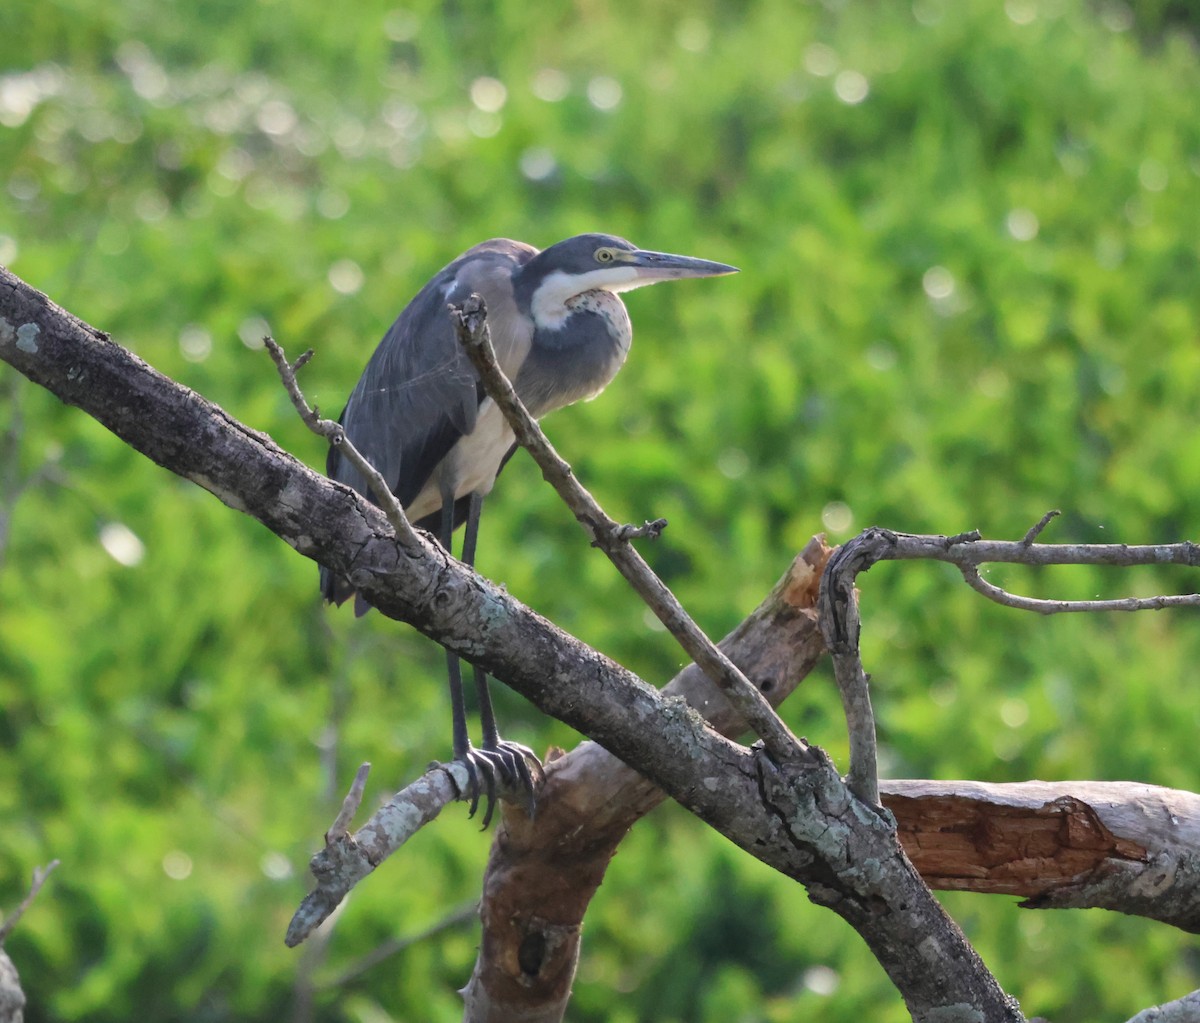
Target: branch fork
<point>840,622</point>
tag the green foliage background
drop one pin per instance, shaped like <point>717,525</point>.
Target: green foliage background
<point>968,234</point>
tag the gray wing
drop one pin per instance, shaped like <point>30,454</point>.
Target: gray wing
<point>419,392</point>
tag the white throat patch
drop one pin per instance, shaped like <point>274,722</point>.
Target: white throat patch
<point>549,303</point>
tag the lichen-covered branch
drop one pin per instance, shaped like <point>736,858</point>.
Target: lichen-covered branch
<point>348,858</point>
<point>1182,1010</point>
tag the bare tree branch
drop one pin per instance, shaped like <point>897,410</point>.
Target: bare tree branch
<point>1051,607</point>
<point>792,812</point>
<point>841,626</point>
<point>470,322</point>
<point>347,859</point>
<point>12,997</point>
<point>464,914</point>
<point>970,549</point>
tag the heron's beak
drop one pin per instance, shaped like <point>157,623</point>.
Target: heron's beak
<point>652,267</point>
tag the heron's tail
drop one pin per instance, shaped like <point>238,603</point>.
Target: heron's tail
<point>337,590</point>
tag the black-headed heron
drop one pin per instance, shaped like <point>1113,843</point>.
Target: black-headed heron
<point>420,416</point>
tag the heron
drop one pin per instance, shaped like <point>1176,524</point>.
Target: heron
<point>420,416</point>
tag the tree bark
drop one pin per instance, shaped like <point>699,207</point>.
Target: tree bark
<point>12,998</point>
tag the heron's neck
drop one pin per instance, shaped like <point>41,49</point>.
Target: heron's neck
<point>577,359</point>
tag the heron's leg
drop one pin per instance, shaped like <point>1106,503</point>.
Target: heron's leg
<point>515,758</point>
<point>487,716</point>
<point>458,705</point>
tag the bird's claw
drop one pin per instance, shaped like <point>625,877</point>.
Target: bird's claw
<point>518,776</point>
<point>477,766</point>
<point>504,769</point>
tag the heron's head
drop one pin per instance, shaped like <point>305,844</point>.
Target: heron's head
<point>603,262</point>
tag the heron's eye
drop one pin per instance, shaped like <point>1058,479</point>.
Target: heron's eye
<point>604,255</point>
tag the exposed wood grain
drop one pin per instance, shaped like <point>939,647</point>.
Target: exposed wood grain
<point>1122,846</point>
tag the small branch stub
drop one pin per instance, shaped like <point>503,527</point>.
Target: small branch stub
<point>341,823</point>
<point>1036,529</point>
<point>40,874</point>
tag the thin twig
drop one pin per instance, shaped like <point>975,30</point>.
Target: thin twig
<point>13,482</point>
<point>968,549</point>
<point>465,913</point>
<point>1053,607</point>
<point>381,493</point>
<point>39,878</point>
<point>470,322</point>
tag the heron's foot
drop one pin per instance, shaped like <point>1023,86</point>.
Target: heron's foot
<point>523,774</point>
<point>505,769</point>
